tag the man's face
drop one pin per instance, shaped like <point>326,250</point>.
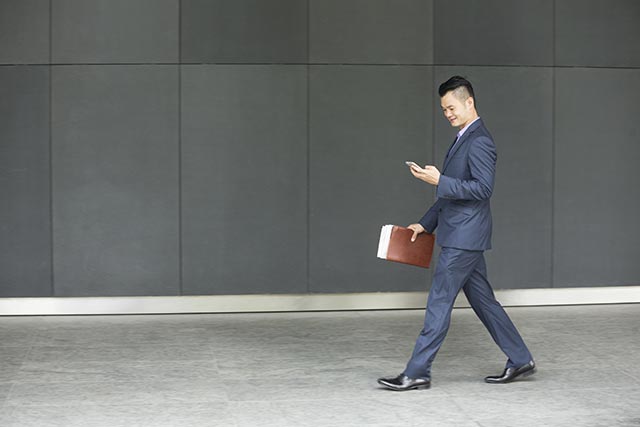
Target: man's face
<point>456,111</point>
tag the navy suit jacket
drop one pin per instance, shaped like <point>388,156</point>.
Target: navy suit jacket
<point>462,212</point>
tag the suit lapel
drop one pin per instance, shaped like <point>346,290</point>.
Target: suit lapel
<point>462,140</point>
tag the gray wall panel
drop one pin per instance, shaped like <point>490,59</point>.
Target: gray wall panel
<point>244,31</point>
<point>493,32</point>
<point>365,122</point>
<point>115,192</point>
<point>115,31</point>
<point>514,105</point>
<point>152,181</point>
<point>597,177</point>
<point>244,136</point>
<point>25,231</point>
<point>24,32</point>
<point>371,31</point>
<point>598,33</point>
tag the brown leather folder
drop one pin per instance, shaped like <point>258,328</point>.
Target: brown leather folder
<point>396,245</point>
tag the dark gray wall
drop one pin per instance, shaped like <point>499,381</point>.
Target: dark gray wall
<point>115,179</point>
<point>183,147</point>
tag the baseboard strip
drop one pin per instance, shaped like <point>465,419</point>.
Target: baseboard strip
<point>302,302</point>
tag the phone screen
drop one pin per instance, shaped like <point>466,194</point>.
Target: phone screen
<point>412,164</point>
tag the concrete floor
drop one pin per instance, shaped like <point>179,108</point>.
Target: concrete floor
<point>314,369</point>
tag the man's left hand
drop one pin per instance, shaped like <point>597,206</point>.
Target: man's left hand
<point>429,174</point>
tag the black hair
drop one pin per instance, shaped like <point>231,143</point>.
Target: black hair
<point>454,83</point>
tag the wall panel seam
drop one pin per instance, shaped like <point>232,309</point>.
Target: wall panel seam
<point>582,67</point>
<point>553,154</point>
<point>308,128</point>
<point>180,237</point>
<point>50,124</point>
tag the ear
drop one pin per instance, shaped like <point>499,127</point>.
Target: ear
<point>470,103</point>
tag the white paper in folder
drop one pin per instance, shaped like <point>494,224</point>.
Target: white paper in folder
<point>383,244</point>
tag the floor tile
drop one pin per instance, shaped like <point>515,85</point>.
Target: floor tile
<point>315,369</point>
<point>133,353</point>
<point>152,415</point>
<point>11,359</point>
<point>420,409</point>
<point>115,393</point>
<point>61,371</point>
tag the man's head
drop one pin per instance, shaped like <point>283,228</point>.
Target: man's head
<point>458,101</point>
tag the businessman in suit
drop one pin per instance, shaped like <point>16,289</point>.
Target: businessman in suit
<point>462,215</point>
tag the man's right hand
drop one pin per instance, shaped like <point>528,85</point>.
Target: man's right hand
<point>417,229</point>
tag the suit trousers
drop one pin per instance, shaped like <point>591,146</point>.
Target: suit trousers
<point>461,269</point>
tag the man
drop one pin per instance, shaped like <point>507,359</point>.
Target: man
<point>463,216</point>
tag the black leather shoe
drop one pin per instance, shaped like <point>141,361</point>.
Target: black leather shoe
<point>404,383</point>
<point>511,374</point>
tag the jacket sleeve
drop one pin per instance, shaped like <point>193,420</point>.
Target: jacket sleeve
<point>482,165</point>
<point>430,220</point>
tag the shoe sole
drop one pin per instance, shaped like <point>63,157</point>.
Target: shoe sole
<point>522,375</point>
<point>415,387</point>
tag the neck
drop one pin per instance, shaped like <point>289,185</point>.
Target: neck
<point>471,119</point>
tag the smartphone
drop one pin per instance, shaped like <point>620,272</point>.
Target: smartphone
<point>410,164</point>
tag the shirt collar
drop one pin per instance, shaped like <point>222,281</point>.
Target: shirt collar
<point>464,129</point>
